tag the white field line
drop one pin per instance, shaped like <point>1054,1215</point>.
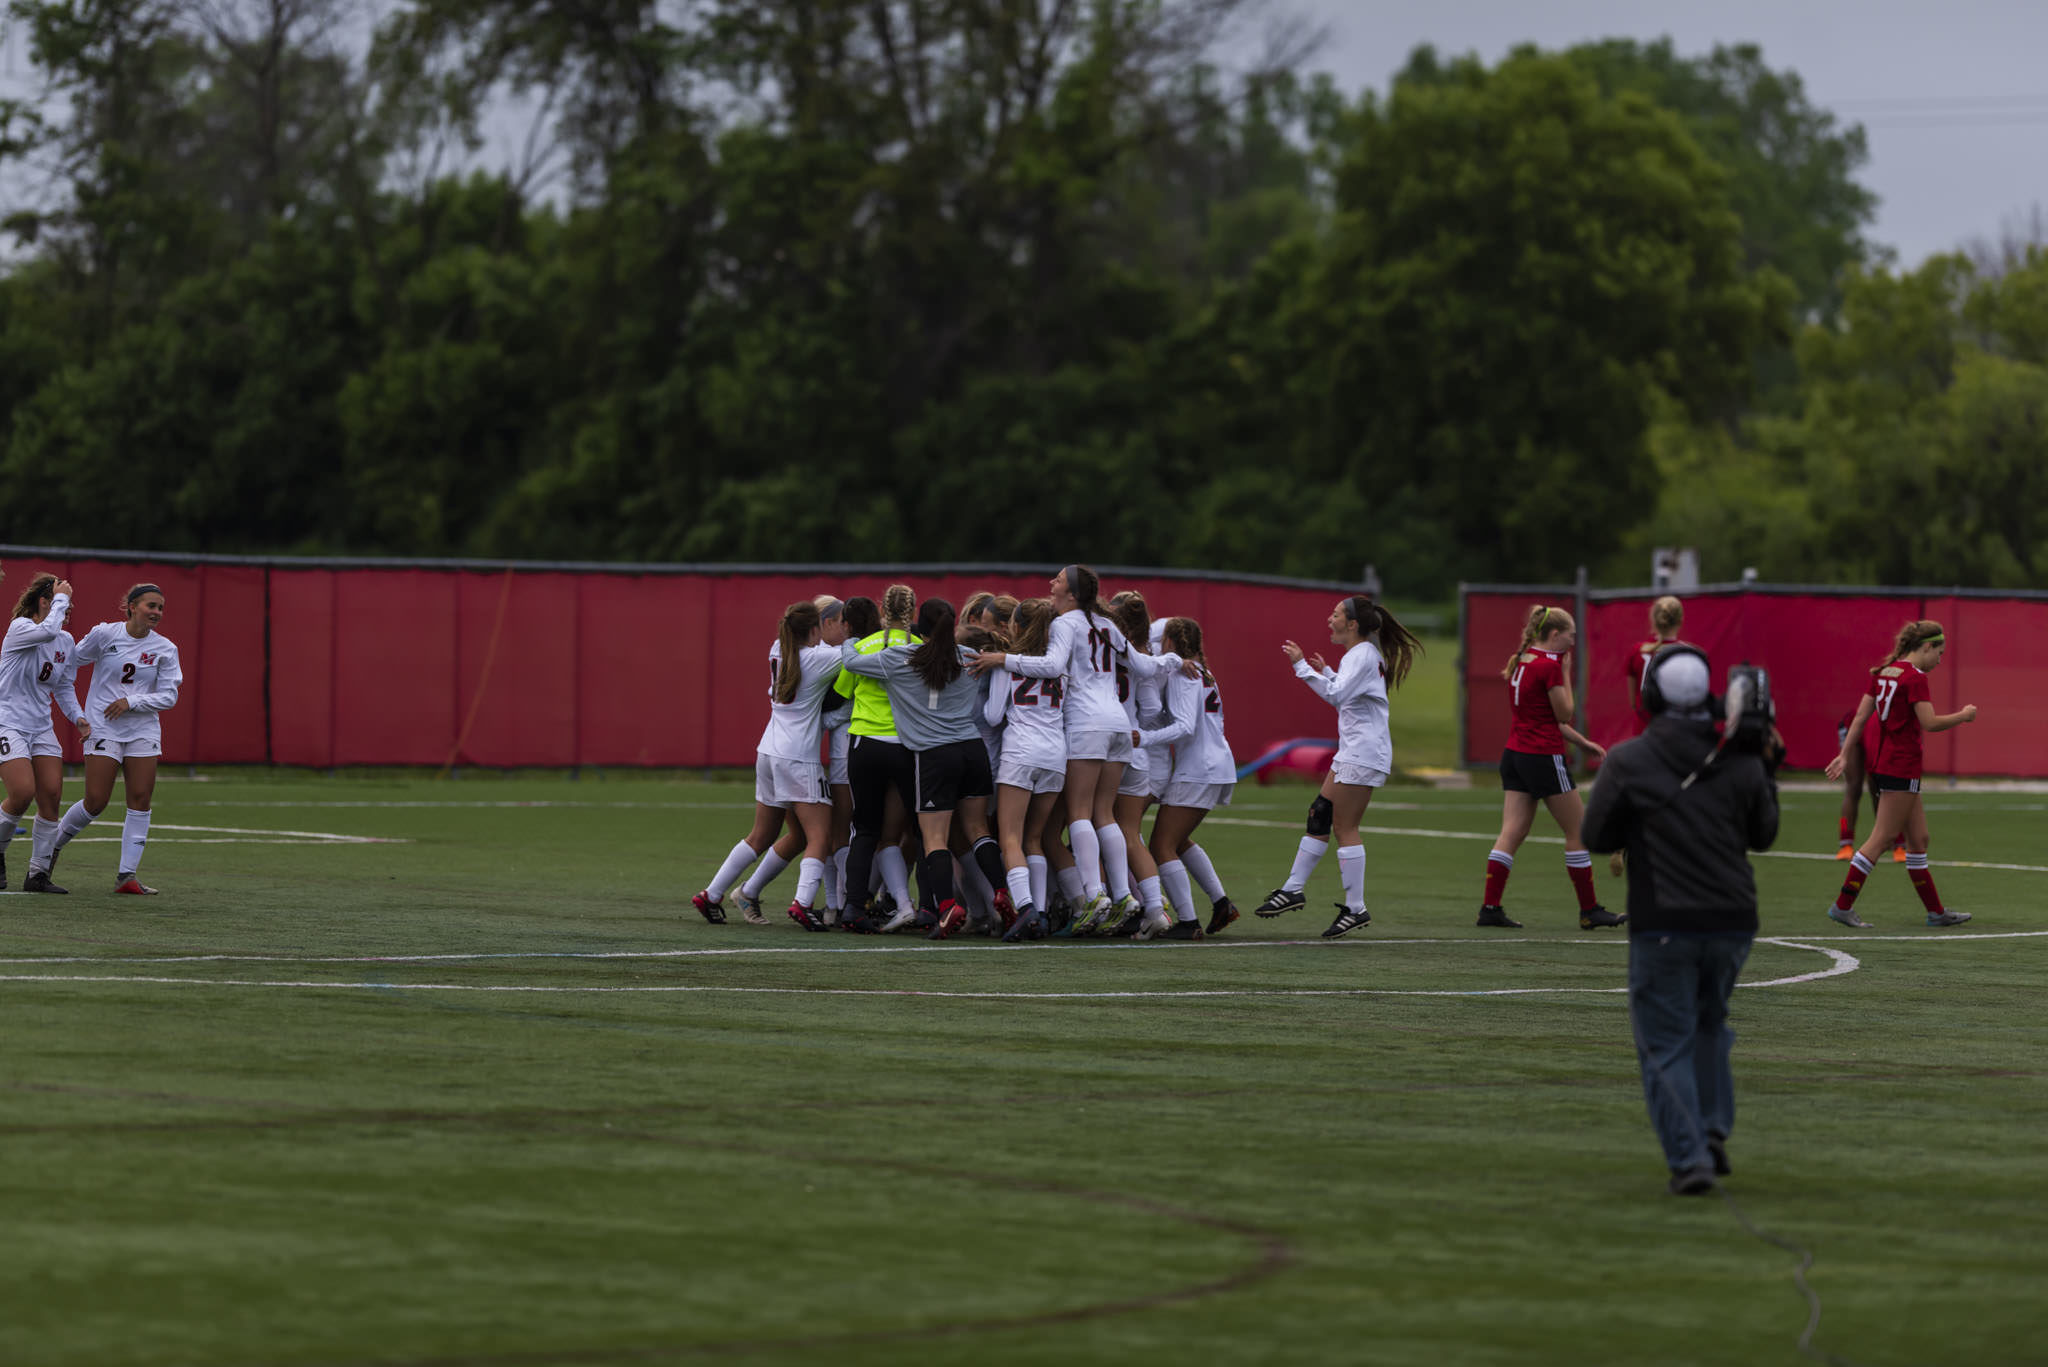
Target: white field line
<point>1559,840</point>
<point>1840,962</point>
<point>240,835</point>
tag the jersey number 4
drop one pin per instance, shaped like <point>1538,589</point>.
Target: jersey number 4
<point>1515,684</point>
<point>1029,690</point>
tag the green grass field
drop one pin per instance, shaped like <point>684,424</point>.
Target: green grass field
<point>491,1095</point>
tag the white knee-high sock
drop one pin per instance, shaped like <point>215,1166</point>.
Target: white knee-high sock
<point>839,863</point>
<point>1087,857</point>
<point>44,846</point>
<point>1174,874</point>
<point>1204,872</point>
<point>735,864</point>
<point>1019,880</point>
<point>895,876</point>
<point>1351,869</point>
<point>764,873</point>
<point>8,826</point>
<point>76,819</point>
<point>134,835</point>
<point>1306,857</point>
<point>1070,884</point>
<point>972,888</point>
<point>828,873</point>
<point>1040,872</point>
<point>1116,860</point>
<point>1149,893</point>
<point>809,875</point>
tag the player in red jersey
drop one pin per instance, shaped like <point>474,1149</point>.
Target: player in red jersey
<point>1856,777</point>
<point>1666,614</point>
<point>1900,699</point>
<point>1533,767</point>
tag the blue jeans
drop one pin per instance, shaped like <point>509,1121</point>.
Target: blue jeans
<point>1678,986</point>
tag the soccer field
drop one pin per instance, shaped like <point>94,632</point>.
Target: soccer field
<point>403,1071</point>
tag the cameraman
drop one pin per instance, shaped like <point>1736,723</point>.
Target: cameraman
<point>1685,809</point>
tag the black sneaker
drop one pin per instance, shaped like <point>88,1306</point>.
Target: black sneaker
<point>1692,1182</point>
<point>1183,930</point>
<point>1221,915</point>
<point>1600,917</point>
<point>1057,915</point>
<point>1497,916</point>
<point>1717,1149</point>
<point>1347,921</point>
<point>40,882</point>
<point>1279,900</point>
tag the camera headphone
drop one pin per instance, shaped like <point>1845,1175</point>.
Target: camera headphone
<point>1654,701</point>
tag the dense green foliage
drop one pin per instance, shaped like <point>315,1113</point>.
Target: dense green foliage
<point>871,279</point>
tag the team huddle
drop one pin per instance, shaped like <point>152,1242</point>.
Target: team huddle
<point>963,745</point>
<point>1004,757</point>
<point>135,678</point>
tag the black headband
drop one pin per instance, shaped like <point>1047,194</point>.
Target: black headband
<point>141,589</point>
<point>831,610</point>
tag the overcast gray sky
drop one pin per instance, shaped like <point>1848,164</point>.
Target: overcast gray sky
<point>1953,95</point>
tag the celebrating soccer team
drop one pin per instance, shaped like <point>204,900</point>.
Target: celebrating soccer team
<point>1029,739</point>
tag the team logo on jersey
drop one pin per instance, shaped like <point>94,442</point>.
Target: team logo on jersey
<point>60,657</point>
<point>148,658</point>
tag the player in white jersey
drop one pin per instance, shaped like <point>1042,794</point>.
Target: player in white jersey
<point>1144,700</point>
<point>1082,651</point>
<point>35,661</point>
<point>1204,776</point>
<point>789,777</point>
<point>1222,911</point>
<point>1377,651</point>
<point>1033,769</point>
<point>135,679</point>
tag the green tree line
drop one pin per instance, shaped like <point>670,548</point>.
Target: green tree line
<point>975,280</point>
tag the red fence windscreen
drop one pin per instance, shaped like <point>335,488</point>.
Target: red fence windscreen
<point>321,665</point>
<point>1818,647</point>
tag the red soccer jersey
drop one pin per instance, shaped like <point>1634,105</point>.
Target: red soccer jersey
<point>1535,725</point>
<point>1638,669</point>
<point>1895,690</point>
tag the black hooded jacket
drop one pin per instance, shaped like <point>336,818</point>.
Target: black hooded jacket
<point>1688,867</point>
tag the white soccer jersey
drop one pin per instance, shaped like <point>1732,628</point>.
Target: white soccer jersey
<point>57,677</point>
<point>1357,688</point>
<point>1036,734</point>
<point>1083,650</point>
<point>24,696</point>
<point>144,670</point>
<point>1204,757</point>
<point>1144,699</point>
<point>795,728</point>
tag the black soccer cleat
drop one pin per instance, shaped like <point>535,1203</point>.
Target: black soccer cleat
<point>1347,921</point>
<point>1221,915</point>
<point>40,882</point>
<point>1600,917</point>
<point>1279,900</point>
<point>1497,916</point>
<point>1183,930</point>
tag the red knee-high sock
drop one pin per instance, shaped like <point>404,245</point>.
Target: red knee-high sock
<point>1859,869</point>
<point>1923,882</point>
<point>1498,867</point>
<point>1848,831</point>
<point>1579,864</point>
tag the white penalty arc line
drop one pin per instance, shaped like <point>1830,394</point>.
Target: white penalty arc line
<point>1840,962</point>
<point>1429,834</point>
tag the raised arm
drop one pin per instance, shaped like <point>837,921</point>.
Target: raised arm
<point>1359,675</point>
<point>1059,649</point>
<point>1931,721</point>
<point>23,634</point>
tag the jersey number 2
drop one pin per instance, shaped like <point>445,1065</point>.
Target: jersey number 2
<point>1887,689</point>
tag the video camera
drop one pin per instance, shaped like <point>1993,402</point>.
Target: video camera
<point>1748,713</point>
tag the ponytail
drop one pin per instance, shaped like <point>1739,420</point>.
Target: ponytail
<point>799,620</point>
<point>1127,610</point>
<point>936,659</point>
<point>1398,646</point>
<point>1911,637</point>
<point>1184,635</point>
<point>40,589</point>
<point>1539,617</point>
